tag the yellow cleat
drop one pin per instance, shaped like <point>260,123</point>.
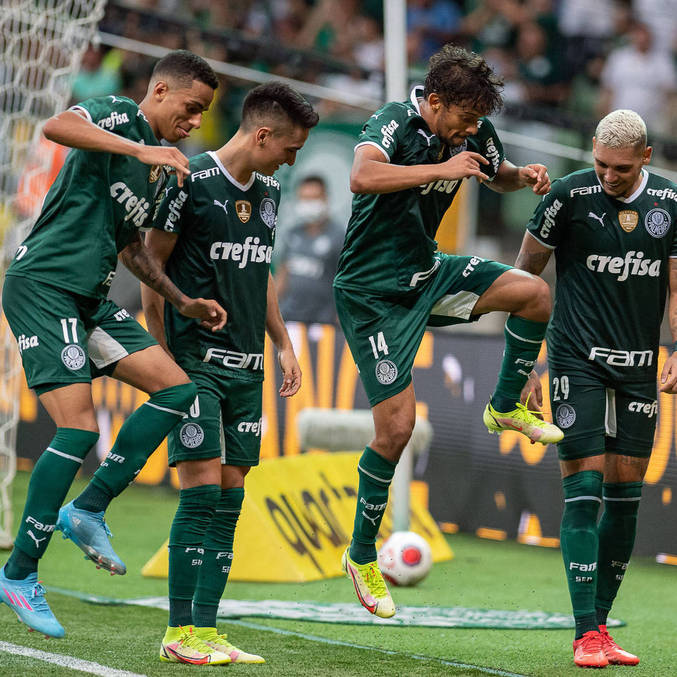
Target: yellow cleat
<point>221,644</point>
<point>370,587</point>
<point>181,645</point>
<point>523,421</point>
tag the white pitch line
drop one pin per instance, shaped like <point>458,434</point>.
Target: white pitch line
<point>66,661</point>
<point>389,652</point>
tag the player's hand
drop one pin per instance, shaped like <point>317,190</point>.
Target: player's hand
<point>464,165</point>
<point>165,155</point>
<point>537,177</point>
<point>211,314</point>
<point>669,375</point>
<point>291,372</point>
<point>533,391</point>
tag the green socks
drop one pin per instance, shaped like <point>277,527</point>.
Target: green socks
<point>195,511</point>
<point>217,559</point>
<point>138,438</point>
<point>579,543</point>
<point>523,340</point>
<point>50,481</point>
<point>617,529</point>
<point>376,473</point>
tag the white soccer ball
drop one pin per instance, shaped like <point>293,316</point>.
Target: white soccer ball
<point>405,558</point>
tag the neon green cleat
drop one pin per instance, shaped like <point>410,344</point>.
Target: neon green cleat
<point>370,587</point>
<point>521,420</point>
<point>220,643</point>
<point>181,645</point>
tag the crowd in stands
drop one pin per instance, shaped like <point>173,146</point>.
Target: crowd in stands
<point>556,56</point>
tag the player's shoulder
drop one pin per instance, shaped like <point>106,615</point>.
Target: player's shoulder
<point>110,112</point>
<point>268,183</point>
<point>661,189</point>
<point>577,184</point>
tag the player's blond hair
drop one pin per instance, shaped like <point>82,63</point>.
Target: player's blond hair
<point>621,129</point>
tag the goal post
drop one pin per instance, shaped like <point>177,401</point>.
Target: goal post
<point>41,47</point>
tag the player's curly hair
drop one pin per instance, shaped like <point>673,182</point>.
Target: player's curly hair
<point>465,79</point>
<point>274,100</point>
<point>184,66</point>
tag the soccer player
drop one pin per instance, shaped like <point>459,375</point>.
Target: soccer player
<point>215,236</point>
<point>612,229</point>
<point>391,283</point>
<point>54,298</point>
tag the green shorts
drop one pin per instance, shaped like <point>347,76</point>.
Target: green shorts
<point>225,421</point>
<point>384,332</point>
<point>67,338</point>
<point>596,418</point>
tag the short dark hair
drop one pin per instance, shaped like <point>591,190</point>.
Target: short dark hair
<point>465,79</point>
<point>277,100</point>
<point>314,178</point>
<point>185,67</point>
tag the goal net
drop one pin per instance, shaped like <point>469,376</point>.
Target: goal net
<point>41,46</point>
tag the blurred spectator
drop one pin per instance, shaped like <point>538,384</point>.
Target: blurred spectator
<point>430,24</point>
<point>661,18</point>
<point>99,75</point>
<point>641,78</point>
<point>308,257</point>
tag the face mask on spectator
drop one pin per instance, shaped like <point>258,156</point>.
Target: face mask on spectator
<point>310,211</point>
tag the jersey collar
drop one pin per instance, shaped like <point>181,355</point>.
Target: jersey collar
<point>244,187</point>
<point>413,96</point>
<point>637,193</point>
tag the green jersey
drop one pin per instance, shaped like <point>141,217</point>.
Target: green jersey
<point>226,232</point>
<point>94,207</point>
<point>390,239</point>
<point>611,257</point>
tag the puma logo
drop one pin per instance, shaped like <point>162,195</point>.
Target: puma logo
<point>597,218</point>
<point>425,136</point>
<point>376,115</point>
<point>37,540</point>
<point>223,206</point>
<point>371,519</point>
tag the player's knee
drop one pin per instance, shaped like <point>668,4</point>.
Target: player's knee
<point>538,302</point>
<point>395,438</point>
<point>179,397</point>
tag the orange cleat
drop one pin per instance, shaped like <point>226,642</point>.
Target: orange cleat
<point>589,652</point>
<point>614,654</point>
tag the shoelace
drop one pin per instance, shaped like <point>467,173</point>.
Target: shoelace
<point>99,518</point>
<point>37,597</point>
<point>375,581</point>
<point>593,641</point>
<point>223,639</point>
<point>193,641</point>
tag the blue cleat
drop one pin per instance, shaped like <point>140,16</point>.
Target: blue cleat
<point>89,532</point>
<point>26,598</point>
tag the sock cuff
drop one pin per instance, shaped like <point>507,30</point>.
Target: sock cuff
<point>376,466</point>
<point>211,492</point>
<point>73,442</point>
<point>622,491</point>
<point>179,397</point>
<point>231,499</point>
<point>582,486</point>
<point>528,331</point>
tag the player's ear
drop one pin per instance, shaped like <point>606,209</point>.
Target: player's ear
<point>434,101</point>
<point>262,135</point>
<point>160,89</point>
<point>646,156</point>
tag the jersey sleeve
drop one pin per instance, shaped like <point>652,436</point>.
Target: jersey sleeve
<point>385,129</point>
<point>112,113</point>
<point>489,146</point>
<point>549,220</point>
<point>172,212</point>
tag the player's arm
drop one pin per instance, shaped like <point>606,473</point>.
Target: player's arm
<point>669,373</point>
<point>71,128</point>
<point>532,256</point>
<point>160,245</point>
<point>143,263</point>
<point>510,178</point>
<point>291,372</point>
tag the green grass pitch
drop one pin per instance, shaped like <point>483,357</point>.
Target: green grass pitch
<point>483,574</point>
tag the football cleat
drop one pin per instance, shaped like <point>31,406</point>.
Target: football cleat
<point>26,598</point>
<point>181,645</point>
<point>521,420</point>
<point>589,652</point>
<point>221,644</point>
<point>89,531</point>
<point>615,655</point>
<point>370,587</point>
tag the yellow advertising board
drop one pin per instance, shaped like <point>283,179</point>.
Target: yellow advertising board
<point>298,513</point>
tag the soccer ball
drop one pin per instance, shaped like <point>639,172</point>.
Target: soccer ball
<point>405,558</point>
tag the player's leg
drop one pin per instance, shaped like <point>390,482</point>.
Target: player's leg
<point>121,348</point>
<point>626,464</point>
<point>241,415</point>
<point>51,335</point>
<point>584,410</point>
<point>527,299</point>
<point>195,448</point>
